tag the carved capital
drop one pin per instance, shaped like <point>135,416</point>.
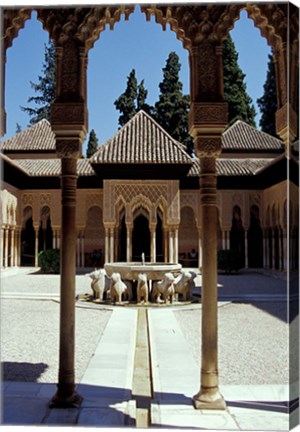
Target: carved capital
<point>68,113</point>
<point>208,146</point>
<point>68,148</point>
<point>286,124</point>
<point>207,117</point>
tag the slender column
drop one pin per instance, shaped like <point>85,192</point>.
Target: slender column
<point>128,243</point>
<point>36,248</point>
<point>82,262</point>
<point>66,394</point>
<point>246,248</point>
<point>19,247</point>
<point>58,238</point>
<point>153,243</point>
<point>199,250</point>
<point>273,250</point>
<point>107,253</point>
<point>175,246</point>
<point>2,248</point>
<point>284,241</point>
<point>280,249</point>
<point>111,241</point>
<point>78,249</point>
<point>6,247</point>
<point>166,255</point>
<point>12,247</point>
<point>264,249</point>
<point>171,243</point>
<point>224,240</point>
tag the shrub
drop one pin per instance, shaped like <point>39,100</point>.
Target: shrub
<point>228,260</point>
<point>49,260</point>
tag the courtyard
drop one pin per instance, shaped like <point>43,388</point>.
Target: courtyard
<point>255,365</point>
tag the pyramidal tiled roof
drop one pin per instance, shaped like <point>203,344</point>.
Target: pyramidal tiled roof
<point>141,140</point>
<point>243,137</point>
<point>38,137</point>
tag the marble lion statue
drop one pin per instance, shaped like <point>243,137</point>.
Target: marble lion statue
<point>184,284</point>
<point>164,288</point>
<point>118,289</point>
<point>142,288</point>
<point>100,283</point>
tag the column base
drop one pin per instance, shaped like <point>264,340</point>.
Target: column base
<point>209,400</point>
<point>60,400</point>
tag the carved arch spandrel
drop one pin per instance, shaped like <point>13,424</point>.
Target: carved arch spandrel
<point>13,21</point>
<point>83,24</point>
<point>196,23</point>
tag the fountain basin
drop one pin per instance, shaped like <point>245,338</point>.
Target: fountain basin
<point>131,270</point>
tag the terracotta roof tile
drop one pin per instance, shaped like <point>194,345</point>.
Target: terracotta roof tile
<point>233,167</point>
<point>51,167</point>
<point>142,141</point>
<point>243,137</point>
<point>39,137</point>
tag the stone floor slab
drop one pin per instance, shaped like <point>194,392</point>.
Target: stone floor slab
<point>23,410</point>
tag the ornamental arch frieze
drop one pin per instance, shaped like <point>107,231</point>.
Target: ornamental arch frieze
<point>153,195</point>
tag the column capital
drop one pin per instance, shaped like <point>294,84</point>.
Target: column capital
<point>208,118</point>
<point>208,147</point>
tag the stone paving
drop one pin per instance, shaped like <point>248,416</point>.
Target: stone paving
<point>107,386</point>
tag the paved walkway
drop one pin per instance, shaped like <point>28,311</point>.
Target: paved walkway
<point>108,383</point>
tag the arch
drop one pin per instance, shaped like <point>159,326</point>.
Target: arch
<point>255,239</point>
<point>94,236</point>
<point>141,234</point>
<point>45,234</point>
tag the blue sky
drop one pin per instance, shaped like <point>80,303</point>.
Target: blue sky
<point>136,44</point>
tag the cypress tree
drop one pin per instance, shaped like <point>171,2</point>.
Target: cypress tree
<point>240,106</point>
<point>126,103</point>
<point>45,88</point>
<point>268,102</point>
<point>171,110</point>
<point>142,94</point>
<point>92,146</point>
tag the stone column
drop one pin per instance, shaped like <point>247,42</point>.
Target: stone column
<point>36,247</point>
<point>273,250</point>
<point>107,252</point>
<point>82,261</point>
<point>128,242</point>
<point>111,244</point>
<point>69,124</point>
<point>153,242</point>
<point>12,247</point>
<point>223,240</point>
<point>208,119</point>
<point>166,238</point>
<point>176,245</point>
<point>280,267</point>
<point>246,248</point>
<point>284,240</point>
<point>78,249</point>
<point>171,244</point>
<point>2,248</point>
<point>6,234</point>
<point>199,250</point>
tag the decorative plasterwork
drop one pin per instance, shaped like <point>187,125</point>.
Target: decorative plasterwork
<point>13,22</point>
<point>152,195</point>
<point>83,24</point>
<point>195,23</point>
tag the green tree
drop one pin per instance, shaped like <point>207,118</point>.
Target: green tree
<point>126,103</point>
<point>172,108</point>
<point>240,106</point>
<point>18,128</point>
<point>132,100</point>
<point>92,146</point>
<point>45,88</point>
<point>268,102</point>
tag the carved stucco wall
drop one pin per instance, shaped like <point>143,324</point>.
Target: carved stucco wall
<point>275,202</point>
<point>37,200</point>
<point>150,194</point>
